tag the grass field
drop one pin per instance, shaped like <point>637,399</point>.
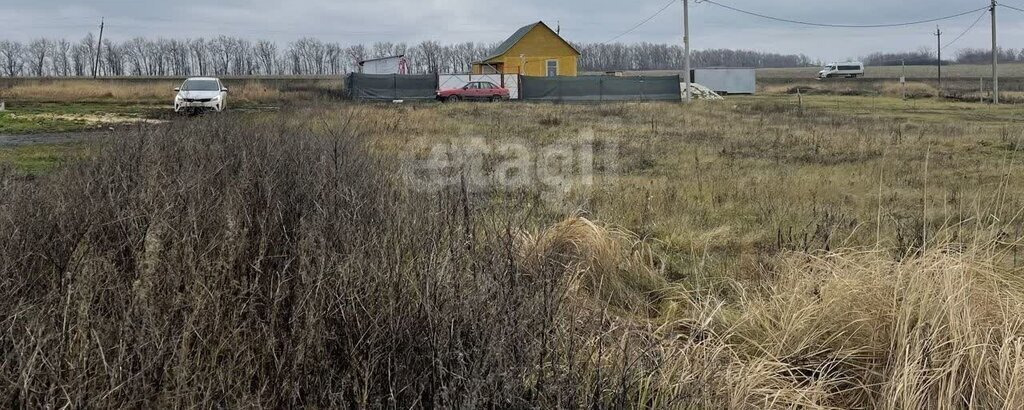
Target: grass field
<point>63,105</point>
<point>831,251</point>
<point>956,71</point>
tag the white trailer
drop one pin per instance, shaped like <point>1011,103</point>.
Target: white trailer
<point>726,80</point>
<point>385,65</point>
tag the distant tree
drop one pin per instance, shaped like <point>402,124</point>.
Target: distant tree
<point>649,56</point>
<point>984,56</point>
<point>61,58</point>
<point>923,56</point>
<point>11,58</point>
<point>356,54</point>
<point>112,59</point>
<point>429,54</point>
<point>198,56</point>
<point>38,51</point>
<point>266,56</point>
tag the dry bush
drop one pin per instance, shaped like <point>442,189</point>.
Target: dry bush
<point>228,262</point>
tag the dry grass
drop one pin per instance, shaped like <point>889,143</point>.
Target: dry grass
<point>159,91</point>
<point>605,265</point>
<point>857,253</point>
<point>240,263</point>
<point>854,329</point>
<point>965,71</point>
<point>888,89</point>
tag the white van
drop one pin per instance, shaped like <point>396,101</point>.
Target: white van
<point>850,69</point>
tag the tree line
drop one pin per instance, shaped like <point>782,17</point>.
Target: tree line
<point>648,56</point>
<point>927,56</point>
<point>233,56</point>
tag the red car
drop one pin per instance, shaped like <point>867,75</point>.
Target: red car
<point>477,90</point>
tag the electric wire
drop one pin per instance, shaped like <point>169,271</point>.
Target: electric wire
<point>971,27</point>
<point>808,23</point>
<point>1011,7</point>
<point>645,21</point>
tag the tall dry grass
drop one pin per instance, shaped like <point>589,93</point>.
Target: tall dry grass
<point>245,91</point>
<point>943,330</point>
<point>235,262</point>
<point>277,262</point>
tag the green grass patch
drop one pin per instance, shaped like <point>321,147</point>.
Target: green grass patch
<point>41,158</point>
<point>11,123</point>
<point>141,110</point>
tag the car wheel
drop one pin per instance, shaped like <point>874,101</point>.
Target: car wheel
<point>453,98</point>
<point>495,98</point>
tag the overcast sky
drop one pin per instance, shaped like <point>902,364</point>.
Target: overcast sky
<point>489,21</point>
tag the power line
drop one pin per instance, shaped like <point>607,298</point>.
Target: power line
<point>980,16</point>
<point>645,21</point>
<point>1012,8</point>
<point>807,23</point>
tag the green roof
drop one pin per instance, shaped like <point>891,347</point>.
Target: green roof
<point>518,36</point>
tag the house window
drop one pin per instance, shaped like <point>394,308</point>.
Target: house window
<point>552,68</point>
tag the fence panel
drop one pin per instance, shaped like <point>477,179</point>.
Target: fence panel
<point>391,86</point>
<point>601,88</point>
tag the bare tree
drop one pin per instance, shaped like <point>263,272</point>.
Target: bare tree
<point>60,58</point>
<point>429,55</point>
<point>310,56</point>
<point>38,50</point>
<point>221,50</point>
<point>113,58</point>
<point>356,54</point>
<point>83,54</point>
<point>198,54</point>
<point>11,58</point>
<point>266,56</point>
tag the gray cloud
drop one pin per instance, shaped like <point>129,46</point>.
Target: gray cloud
<point>367,21</point>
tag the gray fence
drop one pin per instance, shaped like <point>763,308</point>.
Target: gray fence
<point>601,88</point>
<point>391,87</point>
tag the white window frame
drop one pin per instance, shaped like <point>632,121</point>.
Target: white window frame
<point>547,68</point>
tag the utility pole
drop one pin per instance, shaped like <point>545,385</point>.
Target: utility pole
<point>686,47</point>
<point>99,47</point>
<point>938,34</point>
<point>903,79</point>
<point>995,58</point>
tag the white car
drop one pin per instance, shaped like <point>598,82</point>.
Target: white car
<point>201,93</point>
<point>851,69</point>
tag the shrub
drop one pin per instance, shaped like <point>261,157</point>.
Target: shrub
<point>231,263</point>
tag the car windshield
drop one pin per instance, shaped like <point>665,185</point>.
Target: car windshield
<point>831,67</point>
<point>200,85</point>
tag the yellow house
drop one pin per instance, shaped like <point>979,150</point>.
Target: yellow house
<point>534,50</point>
